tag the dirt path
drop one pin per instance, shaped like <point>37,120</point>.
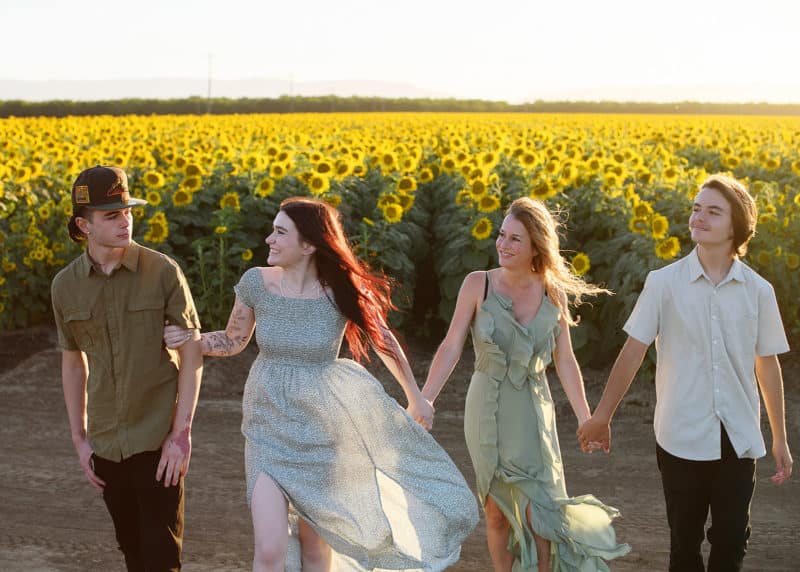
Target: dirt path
<point>52,520</point>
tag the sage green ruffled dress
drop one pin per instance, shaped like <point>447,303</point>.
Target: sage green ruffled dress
<point>510,429</point>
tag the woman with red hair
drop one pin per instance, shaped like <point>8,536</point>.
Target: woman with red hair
<point>371,487</point>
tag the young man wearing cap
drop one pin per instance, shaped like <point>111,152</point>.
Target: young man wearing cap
<point>718,331</point>
<point>130,402</point>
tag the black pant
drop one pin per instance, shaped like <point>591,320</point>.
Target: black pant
<point>148,517</point>
<point>690,488</point>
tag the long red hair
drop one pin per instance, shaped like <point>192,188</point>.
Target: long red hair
<point>362,296</point>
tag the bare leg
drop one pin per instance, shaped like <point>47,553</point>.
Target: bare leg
<point>315,552</point>
<point>270,526</point>
<point>497,531</point>
<point>542,546</point>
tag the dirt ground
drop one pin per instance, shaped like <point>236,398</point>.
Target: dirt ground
<point>52,520</point>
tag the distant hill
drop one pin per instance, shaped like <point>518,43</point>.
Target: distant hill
<point>179,88</point>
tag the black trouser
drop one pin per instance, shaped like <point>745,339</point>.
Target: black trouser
<point>690,488</point>
<point>148,517</point>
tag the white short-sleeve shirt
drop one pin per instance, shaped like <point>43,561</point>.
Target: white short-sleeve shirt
<point>707,338</point>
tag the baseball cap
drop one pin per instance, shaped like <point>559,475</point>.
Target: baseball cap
<point>103,188</point>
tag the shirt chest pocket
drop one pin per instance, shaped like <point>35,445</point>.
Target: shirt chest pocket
<point>79,325</point>
<point>146,316</point>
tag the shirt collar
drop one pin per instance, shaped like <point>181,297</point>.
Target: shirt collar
<point>130,260</point>
<point>736,271</point>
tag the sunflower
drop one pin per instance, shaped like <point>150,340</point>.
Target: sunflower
<point>730,161</point>
<point>265,187</point>
<point>181,198</point>
<point>639,224</point>
<point>324,167</point>
<point>318,184</point>
<point>580,263</point>
<point>247,255</point>
<point>643,209</point>
<point>278,171</point>
<point>157,228</point>
<point>220,229</point>
<point>342,168</point>
<point>388,161</point>
<point>230,199</point>
<point>388,199</point>
<point>392,213</point>
<point>192,170</point>
<point>792,261</point>
<point>153,179</point>
<point>407,184</point>
<point>670,174</point>
<point>763,258</point>
<point>45,210</point>
<point>528,159</point>
<point>153,198</point>
<point>333,200</point>
<point>488,203</point>
<point>796,167</point>
<point>611,180</point>
<point>425,175</point>
<point>543,190</point>
<point>477,188</point>
<point>668,248</point>
<point>406,201</point>
<point>772,163</point>
<point>482,229</point>
<point>192,184</point>
<point>464,197</point>
<point>659,226</point>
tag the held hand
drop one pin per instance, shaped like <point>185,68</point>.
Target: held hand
<point>176,452</point>
<point>175,336</point>
<point>783,462</point>
<point>594,434</point>
<point>84,450</point>
<point>421,410</point>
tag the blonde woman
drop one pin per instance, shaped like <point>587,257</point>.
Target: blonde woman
<point>519,318</point>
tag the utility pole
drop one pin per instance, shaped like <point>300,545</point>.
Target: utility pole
<point>208,96</point>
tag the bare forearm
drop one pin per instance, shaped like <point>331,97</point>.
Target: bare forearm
<point>442,366</point>
<point>399,367</point>
<point>220,344</point>
<point>73,380</point>
<point>770,379</point>
<point>619,380</point>
<point>572,381</point>
<point>189,376</point>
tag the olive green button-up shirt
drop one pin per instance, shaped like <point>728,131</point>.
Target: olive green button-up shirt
<point>117,320</point>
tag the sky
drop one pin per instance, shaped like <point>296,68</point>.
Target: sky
<point>705,50</point>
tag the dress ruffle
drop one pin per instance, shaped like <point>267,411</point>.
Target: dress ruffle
<point>579,528</point>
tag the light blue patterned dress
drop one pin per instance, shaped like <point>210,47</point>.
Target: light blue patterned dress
<point>351,462</point>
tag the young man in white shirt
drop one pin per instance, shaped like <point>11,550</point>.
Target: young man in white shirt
<point>718,331</point>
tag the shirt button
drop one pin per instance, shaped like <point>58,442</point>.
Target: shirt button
<point>715,342</point>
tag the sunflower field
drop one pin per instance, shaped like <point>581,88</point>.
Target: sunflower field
<point>421,197</point>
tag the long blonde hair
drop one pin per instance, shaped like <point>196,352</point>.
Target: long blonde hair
<point>559,281</point>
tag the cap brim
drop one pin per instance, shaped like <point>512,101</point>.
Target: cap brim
<point>118,206</point>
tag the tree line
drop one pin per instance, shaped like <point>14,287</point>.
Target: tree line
<point>331,103</point>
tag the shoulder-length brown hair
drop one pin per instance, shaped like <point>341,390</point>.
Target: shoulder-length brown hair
<point>744,213</point>
<point>362,296</point>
